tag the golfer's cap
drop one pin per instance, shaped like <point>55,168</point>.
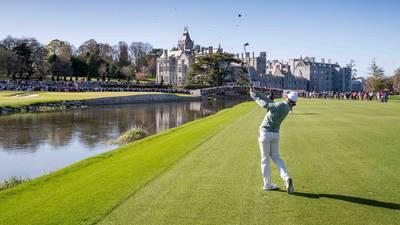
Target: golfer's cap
<point>292,96</point>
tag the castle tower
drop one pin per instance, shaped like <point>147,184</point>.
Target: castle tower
<point>185,43</point>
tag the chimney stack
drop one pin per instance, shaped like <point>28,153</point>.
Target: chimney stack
<point>210,50</point>
<point>323,61</point>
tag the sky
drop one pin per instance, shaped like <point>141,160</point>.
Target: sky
<point>340,30</point>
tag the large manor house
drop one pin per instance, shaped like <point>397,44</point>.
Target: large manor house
<point>295,74</point>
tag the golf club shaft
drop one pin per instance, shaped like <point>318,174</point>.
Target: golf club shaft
<point>248,66</point>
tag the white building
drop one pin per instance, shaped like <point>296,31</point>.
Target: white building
<point>173,65</point>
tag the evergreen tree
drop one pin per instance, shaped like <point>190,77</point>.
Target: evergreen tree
<point>375,80</point>
<point>213,69</point>
<point>93,63</point>
<point>375,71</point>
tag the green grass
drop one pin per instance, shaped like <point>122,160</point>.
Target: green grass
<point>343,157</point>
<point>11,182</point>
<point>85,192</point>
<point>394,97</point>
<point>14,99</point>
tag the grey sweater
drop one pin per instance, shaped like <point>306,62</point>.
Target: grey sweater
<point>277,112</point>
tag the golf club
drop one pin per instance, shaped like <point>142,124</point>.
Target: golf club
<point>248,64</point>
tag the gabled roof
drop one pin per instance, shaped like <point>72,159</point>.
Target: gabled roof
<point>175,53</point>
<point>185,39</point>
<point>301,63</point>
<point>186,36</point>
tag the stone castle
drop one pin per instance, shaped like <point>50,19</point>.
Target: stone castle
<point>173,65</point>
<point>295,74</point>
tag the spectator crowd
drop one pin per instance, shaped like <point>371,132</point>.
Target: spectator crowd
<point>102,86</point>
<point>85,86</point>
<point>381,96</point>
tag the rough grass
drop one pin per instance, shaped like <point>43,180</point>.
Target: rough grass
<point>18,99</point>
<point>130,136</point>
<point>343,157</point>
<point>12,182</point>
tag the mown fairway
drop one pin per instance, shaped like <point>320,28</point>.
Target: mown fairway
<point>344,157</point>
<point>19,98</point>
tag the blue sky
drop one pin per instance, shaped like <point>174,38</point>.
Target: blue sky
<point>338,30</point>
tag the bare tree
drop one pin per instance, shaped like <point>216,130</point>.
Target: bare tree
<point>30,54</point>
<point>54,47</point>
<point>8,62</point>
<point>139,51</point>
<point>127,72</point>
<point>106,52</point>
<point>87,48</point>
<point>59,55</point>
<point>103,71</point>
<point>9,42</point>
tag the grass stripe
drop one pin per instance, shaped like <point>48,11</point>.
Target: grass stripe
<point>343,158</point>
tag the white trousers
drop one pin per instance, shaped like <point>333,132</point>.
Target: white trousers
<point>269,147</point>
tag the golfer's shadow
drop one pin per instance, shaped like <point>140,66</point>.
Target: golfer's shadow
<point>358,200</point>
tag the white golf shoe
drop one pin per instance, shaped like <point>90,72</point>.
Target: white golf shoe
<point>289,186</point>
<point>270,187</point>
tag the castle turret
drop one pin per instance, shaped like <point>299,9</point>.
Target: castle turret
<point>185,44</point>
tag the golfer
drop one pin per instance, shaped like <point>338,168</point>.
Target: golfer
<point>268,137</point>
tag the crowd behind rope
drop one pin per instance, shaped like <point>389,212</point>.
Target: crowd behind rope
<point>85,86</point>
<point>381,96</point>
<point>102,86</point>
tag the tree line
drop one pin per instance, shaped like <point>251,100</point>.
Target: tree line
<point>26,58</point>
<point>376,79</point>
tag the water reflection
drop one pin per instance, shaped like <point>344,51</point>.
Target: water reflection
<point>34,144</point>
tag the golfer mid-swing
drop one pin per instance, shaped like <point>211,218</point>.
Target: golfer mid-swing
<point>268,137</point>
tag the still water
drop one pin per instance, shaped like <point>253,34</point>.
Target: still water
<point>34,144</point>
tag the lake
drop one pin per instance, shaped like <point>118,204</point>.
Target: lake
<point>34,144</point>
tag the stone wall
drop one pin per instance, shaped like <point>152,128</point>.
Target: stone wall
<point>75,104</point>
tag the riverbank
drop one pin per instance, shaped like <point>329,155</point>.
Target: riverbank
<point>207,172</point>
<point>15,102</point>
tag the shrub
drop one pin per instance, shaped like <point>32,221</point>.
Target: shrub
<point>130,136</point>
